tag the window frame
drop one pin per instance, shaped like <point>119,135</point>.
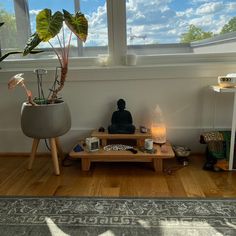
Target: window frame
<point>117,46</point>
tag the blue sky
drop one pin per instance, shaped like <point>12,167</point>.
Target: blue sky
<point>151,21</point>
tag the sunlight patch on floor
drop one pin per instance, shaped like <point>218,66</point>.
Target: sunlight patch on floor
<point>54,230</point>
<point>194,228</point>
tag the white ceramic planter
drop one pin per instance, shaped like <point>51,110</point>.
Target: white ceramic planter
<point>45,121</point>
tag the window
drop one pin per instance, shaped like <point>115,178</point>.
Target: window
<point>24,13</point>
<point>131,26</point>
<point>8,33</point>
<point>170,26</point>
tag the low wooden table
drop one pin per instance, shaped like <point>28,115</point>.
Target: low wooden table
<point>123,156</point>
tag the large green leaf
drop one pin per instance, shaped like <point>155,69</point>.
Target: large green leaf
<point>48,25</point>
<point>32,42</point>
<point>78,24</point>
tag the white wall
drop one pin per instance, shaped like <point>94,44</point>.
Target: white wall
<point>181,90</point>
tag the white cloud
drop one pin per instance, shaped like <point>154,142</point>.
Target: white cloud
<point>201,21</point>
<point>210,8</point>
<point>34,12</point>
<point>187,13</point>
<point>231,6</point>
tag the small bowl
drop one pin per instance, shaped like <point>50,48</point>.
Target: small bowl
<point>182,151</point>
<point>227,81</point>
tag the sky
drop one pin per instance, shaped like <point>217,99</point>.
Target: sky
<point>152,21</point>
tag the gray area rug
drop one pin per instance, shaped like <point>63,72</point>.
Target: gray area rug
<point>61,216</point>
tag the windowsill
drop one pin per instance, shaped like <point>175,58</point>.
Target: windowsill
<point>142,61</point>
<point>148,67</point>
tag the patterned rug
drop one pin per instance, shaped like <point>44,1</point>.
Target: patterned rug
<point>61,216</point>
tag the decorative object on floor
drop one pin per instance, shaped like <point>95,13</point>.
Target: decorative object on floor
<point>158,127</point>
<point>182,154</point>
<point>121,121</point>
<point>227,81</point>
<point>217,149</point>
<point>116,216</point>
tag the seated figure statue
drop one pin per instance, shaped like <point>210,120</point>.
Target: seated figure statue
<point>121,121</point>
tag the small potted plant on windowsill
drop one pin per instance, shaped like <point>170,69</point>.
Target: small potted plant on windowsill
<point>49,117</point>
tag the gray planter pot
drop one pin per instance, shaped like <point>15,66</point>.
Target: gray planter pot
<point>45,121</point>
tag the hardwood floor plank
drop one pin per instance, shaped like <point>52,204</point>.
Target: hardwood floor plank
<point>114,179</point>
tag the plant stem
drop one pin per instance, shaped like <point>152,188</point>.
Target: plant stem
<point>58,56</point>
<point>68,46</point>
<point>62,48</point>
<point>29,95</point>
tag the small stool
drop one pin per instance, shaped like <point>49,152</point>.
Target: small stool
<point>55,148</point>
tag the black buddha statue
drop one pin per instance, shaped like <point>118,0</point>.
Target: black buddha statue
<point>121,121</point>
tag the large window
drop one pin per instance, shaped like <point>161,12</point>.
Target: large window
<point>24,13</point>
<point>130,26</point>
<point>162,26</point>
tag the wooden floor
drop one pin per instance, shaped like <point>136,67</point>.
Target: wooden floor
<point>114,179</point>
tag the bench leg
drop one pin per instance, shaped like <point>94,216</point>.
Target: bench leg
<point>85,164</point>
<point>54,156</point>
<point>33,152</point>
<point>158,164</point>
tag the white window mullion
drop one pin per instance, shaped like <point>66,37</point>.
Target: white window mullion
<point>22,21</point>
<point>116,15</point>
<point>79,43</point>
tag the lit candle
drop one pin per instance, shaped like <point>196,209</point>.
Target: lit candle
<point>158,133</point>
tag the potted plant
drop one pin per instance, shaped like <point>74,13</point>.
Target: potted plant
<point>48,26</point>
<point>49,117</point>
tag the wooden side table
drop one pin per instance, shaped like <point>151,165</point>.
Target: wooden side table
<point>218,89</point>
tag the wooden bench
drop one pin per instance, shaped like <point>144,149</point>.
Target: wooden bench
<point>123,156</point>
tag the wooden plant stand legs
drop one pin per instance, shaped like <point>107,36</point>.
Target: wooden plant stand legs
<point>55,147</point>
<point>33,152</point>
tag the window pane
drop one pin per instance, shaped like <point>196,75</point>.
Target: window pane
<point>95,13</point>
<point>8,34</point>
<point>170,26</point>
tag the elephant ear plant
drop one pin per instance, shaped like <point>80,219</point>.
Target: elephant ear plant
<point>48,26</point>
